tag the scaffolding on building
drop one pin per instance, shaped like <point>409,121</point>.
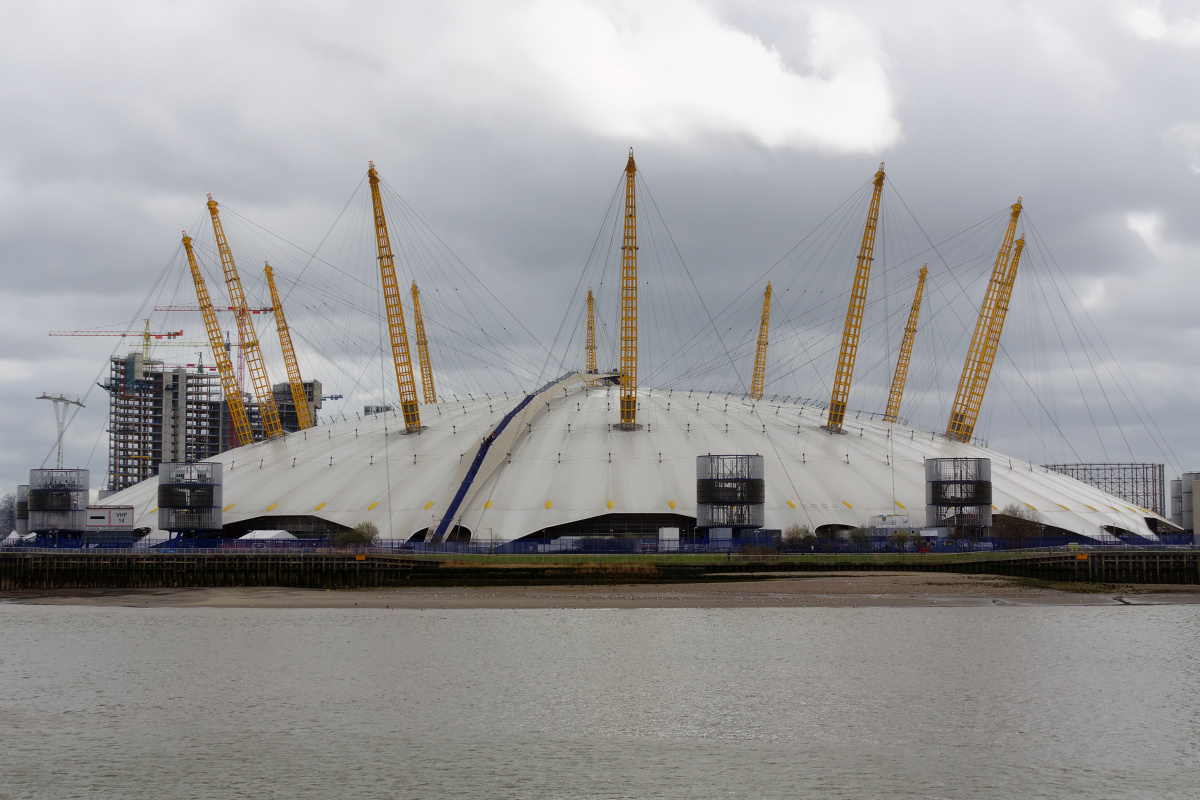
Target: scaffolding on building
<point>160,413</point>
<point>1141,485</point>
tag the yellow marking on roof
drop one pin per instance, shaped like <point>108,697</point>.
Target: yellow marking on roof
<point>1064,508</point>
<point>790,503</point>
<point>1093,508</point>
<point>318,508</point>
<point>429,505</point>
<point>847,505</point>
<point>671,503</point>
<point>610,503</point>
<point>902,508</point>
<point>272,506</point>
<point>1114,508</point>
<point>1031,507</point>
<point>226,508</point>
<point>488,504</point>
<point>372,506</point>
<point>549,503</point>
<point>996,507</point>
<point>151,511</point>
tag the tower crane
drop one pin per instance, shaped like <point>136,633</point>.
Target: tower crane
<point>978,365</point>
<point>299,398</point>
<point>910,332</point>
<point>629,292</point>
<point>760,356</point>
<point>591,337</point>
<point>401,355</point>
<point>146,335</point>
<point>854,313</point>
<point>233,395</point>
<point>246,333</point>
<point>423,349</point>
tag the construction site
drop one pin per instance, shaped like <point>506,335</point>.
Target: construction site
<point>592,454</point>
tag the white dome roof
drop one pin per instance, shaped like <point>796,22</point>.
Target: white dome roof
<point>560,460</point>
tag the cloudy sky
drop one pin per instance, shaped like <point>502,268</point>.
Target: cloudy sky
<point>506,124</point>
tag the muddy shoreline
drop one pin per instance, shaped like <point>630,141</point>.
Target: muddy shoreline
<point>824,589</point>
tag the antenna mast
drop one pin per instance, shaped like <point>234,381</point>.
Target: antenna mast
<point>760,357</point>
<point>295,382</point>
<point>910,332</point>
<point>60,417</point>
<point>854,314</point>
<point>978,365</point>
<point>246,333</point>
<point>629,316</point>
<point>395,311</point>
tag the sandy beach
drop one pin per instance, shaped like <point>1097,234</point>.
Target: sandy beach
<point>849,589</point>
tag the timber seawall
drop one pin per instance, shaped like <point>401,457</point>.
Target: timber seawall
<point>57,569</point>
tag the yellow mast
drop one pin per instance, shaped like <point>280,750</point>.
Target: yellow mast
<point>423,349</point>
<point>629,321</point>
<point>980,382</point>
<point>395,312</point>
<point>969,397</point>
<point>299,397</point>
<point>246,333</point>
<point>233,396</point>
<point>910,332</point>
<point>591,337</point>
<point>854,314</point>
<point>760,357</point>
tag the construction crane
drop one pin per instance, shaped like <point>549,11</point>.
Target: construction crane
<point>423,349</point>
<point>978,365</point>
<point>218,309</point>
<point>247,336</point>
<point>854,314</point>
<point>760,357</point>
<point>395,311</point>
<point>910,332</point>
<point>629,316</point>
<point>591,337</point>
<point>299,398</point>
<point>233,395</point>
<point>146,335</point>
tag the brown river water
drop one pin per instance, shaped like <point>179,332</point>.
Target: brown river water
<point>969,702</point>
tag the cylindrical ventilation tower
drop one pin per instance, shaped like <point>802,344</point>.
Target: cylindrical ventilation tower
<point>22,522</point>
<point>189,496</point>
<point>958,494</point>
<point>57,500</point>
<point>730,491</point>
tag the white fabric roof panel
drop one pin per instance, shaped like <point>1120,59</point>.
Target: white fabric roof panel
<point>567,462</point>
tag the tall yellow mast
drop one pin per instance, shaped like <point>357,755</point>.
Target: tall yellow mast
<point>423,349</point>
<point>591,336</point>
<point>854,313</point>
<point>246,333</point>
<point>395,312</point>
<point>629,320</point>
<point>760,357</point>
<point>910,332</point>
<point>980,382</point>
<point>233,396</point>
<point>299,398</point>
<point>969,398</point>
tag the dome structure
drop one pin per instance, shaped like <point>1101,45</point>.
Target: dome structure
<point>501,467</point>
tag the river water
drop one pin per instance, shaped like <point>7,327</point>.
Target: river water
<point>1002,702</point>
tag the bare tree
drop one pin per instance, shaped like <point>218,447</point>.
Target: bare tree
<point>8,514</point>
<point>1017,526</point>
<point>901,539</point>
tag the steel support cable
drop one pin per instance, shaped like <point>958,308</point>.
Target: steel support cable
<point>1163,441</point>
<point>691,280</point>
<point>1075,376</point>
<point>478,282</point>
